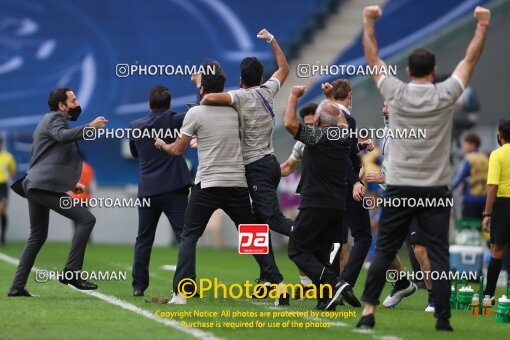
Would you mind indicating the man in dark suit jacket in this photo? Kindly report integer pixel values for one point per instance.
(164, 179)
(55, 168)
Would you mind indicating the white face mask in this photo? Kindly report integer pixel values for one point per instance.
(350, 105)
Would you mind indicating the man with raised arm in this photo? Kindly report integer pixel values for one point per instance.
(254, 104)
(220, 182)
(418, 169)
(323, 195)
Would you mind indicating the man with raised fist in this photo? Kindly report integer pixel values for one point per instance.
(418, 170)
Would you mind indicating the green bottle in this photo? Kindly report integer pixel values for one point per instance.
(503, 310)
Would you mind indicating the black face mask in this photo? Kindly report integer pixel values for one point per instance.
(74, 113)
(499, 141)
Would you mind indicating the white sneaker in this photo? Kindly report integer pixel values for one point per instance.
(431, 306)
(397, 295)
(430, 309)
(177, 300)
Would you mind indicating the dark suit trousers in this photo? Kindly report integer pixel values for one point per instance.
(357, 219)
(40, 203)
(173, 204)
(235, 202)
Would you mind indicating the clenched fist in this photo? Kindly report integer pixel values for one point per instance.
(265, 35)
(372, 12)
(482, 14)
(298, 91)
(327, 89)
(98, 123)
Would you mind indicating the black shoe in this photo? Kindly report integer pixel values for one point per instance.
(79, 284)
(321, 305)
(260, 292)
(76, 281)
(137, 292)
(342, 290)
(366, 322)
(19, 292)
(443, 325)
(283, 300)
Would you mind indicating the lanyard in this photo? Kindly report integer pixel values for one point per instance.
(266, 104)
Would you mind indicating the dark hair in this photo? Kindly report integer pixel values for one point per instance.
(504, 128)
(159, 98)
(251, 71)
(308, 109)
(57, 96)
(341, 89)
(215, 82)
(473, 139)
(421, 62)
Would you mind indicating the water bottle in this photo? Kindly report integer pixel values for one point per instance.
(475, 305)
(453, 298)
(487, 306)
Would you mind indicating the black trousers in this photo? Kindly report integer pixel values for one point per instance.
(39, 205)
(311, 240)
(235, 202)
(357, 219)
(263, 177)
(173, 204)
(393, 230)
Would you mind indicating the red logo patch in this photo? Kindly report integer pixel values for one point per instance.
(253, 239)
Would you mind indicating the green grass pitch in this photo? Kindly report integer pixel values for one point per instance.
(64, 313)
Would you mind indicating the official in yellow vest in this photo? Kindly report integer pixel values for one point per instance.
(473, 178)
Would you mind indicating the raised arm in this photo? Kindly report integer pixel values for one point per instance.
(466, 66)
(283, 67)
(290, 121)
(370, 14)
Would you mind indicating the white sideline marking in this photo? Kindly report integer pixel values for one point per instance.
(169, 267)
(195, 332)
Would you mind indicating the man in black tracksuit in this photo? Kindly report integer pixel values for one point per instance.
(356, 217)
(323, 190)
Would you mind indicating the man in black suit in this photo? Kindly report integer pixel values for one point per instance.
(55, 168)
(164, 179)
